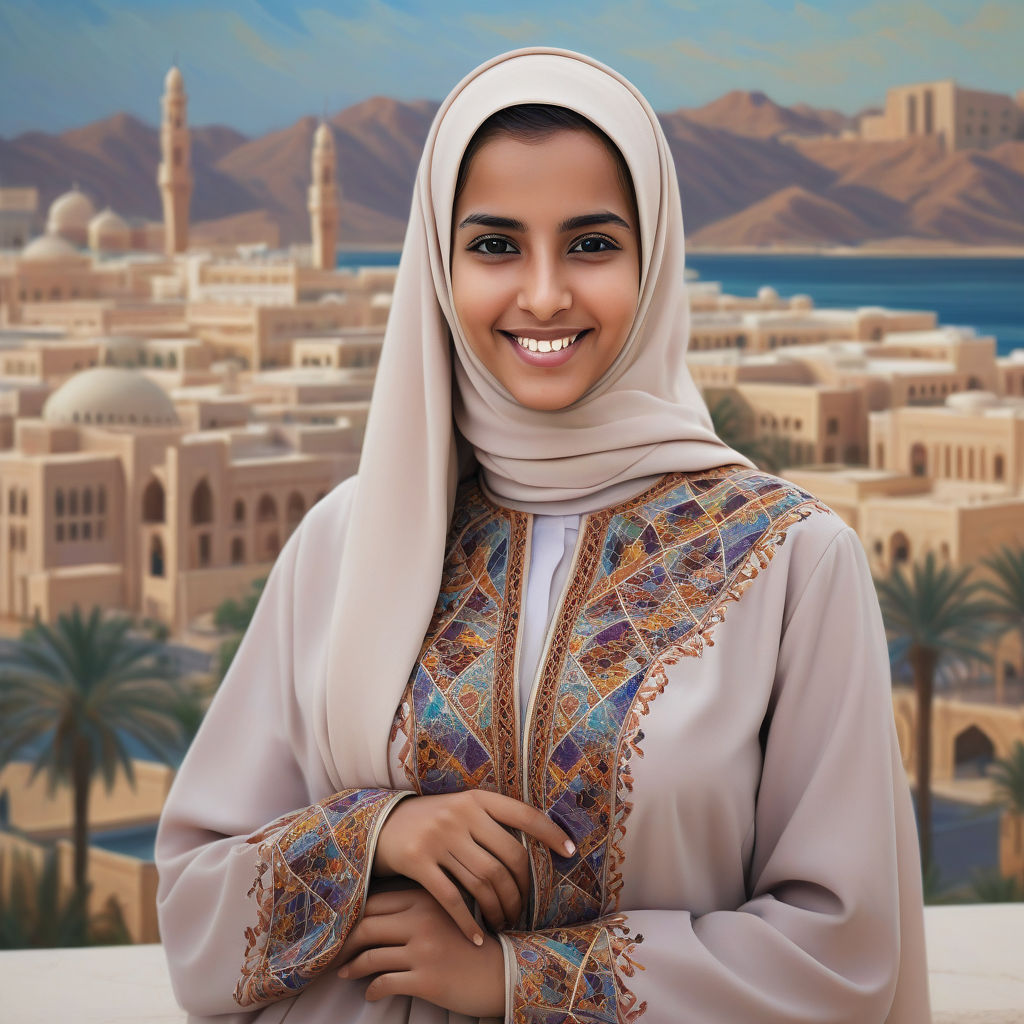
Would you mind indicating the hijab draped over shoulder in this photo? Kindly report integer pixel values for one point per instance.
(437, 413)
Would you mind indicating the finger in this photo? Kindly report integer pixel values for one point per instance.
(383, 930)
(447, 894)
(480, 888)
(390, 902)
(510, 811)
(508, 848)
(377, 960)
(490, 869)
(401, 983)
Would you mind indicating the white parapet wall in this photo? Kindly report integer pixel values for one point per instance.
(974, 952)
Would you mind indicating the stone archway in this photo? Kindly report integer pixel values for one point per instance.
(973, 751)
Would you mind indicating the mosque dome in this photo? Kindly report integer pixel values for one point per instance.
(973, 400)
(50, 249)
(767, 294)
(110, 395)
(108, 230)
(70, 215)
(173, 81)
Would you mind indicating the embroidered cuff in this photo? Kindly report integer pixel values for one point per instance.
(312, 875)
(575, 973)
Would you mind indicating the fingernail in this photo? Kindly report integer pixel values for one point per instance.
(570, 847)
(343, 972)
(478, 939)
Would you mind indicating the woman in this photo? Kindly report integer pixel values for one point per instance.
(561, 709)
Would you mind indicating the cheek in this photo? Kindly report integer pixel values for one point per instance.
(613, 296)
(477, 299)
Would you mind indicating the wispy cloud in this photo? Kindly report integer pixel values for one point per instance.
(259, 64)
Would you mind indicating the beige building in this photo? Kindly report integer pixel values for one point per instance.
(962, 118)
(18, 211)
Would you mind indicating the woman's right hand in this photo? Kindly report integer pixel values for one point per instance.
(460, 836)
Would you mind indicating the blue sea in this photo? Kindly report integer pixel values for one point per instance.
(986, 294)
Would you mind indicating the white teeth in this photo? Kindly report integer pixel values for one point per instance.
(546, 346)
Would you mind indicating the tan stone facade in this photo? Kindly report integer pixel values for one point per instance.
(963, 118)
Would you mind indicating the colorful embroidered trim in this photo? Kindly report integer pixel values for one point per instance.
(573, 974)
(310, 881)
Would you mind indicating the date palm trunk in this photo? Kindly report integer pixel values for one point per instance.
(81, 775)
(923, 661)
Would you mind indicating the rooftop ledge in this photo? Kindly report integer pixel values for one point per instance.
(974, 954)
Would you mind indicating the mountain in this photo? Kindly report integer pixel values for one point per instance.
(751, 172)
(754, 113)
(794, 214)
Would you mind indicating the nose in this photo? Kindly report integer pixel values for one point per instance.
(544, 291)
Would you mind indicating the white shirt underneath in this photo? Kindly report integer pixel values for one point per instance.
(551, 549)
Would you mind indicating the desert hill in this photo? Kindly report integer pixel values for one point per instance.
(751, 172)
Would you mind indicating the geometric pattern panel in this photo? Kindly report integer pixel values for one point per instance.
(311, 877)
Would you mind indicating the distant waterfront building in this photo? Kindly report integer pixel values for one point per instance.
(323, 200)
(963, 118)
(175, 175)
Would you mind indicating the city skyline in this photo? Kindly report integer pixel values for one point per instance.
(300, 59)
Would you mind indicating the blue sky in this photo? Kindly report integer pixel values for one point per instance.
(260, 64)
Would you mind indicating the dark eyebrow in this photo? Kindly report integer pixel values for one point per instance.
(490, 221)
(586, 220)
(589, 220)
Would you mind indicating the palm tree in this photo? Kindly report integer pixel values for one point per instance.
(728, 422)
(930, 615)
(1007, 589)
(235, 616)
(71, 694)
(1008, 775)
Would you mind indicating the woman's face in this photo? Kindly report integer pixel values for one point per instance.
(545, 249)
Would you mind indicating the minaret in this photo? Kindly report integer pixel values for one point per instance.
(175, 177)
(323, 200)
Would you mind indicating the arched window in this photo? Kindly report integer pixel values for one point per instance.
(202, 503)
(296, 508)
(899, 548)
(58, 502)
(237, 551)
(266, 511)
(101, 500)
(73, 503)
(87, 502)
(153, 503)
(239, 511)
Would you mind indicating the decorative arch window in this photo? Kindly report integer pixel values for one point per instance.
(58, 502)
(202, 503)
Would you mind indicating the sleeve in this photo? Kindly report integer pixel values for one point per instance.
(249, 911)
(832, 929)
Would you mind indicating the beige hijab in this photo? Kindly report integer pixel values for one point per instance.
(643, 418)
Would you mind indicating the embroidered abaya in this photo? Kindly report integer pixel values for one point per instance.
(697, 691)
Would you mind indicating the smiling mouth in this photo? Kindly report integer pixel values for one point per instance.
(543, 344)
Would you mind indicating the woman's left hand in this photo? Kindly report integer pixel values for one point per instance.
(414, 948)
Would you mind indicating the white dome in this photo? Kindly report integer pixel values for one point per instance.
(110, 395)
(50, 249)
(801, 302)
(108, 221)
(972, 400)
(767, 294)
(73, 210)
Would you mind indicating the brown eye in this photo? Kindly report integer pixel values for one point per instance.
(493, 246)
(594, 244)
